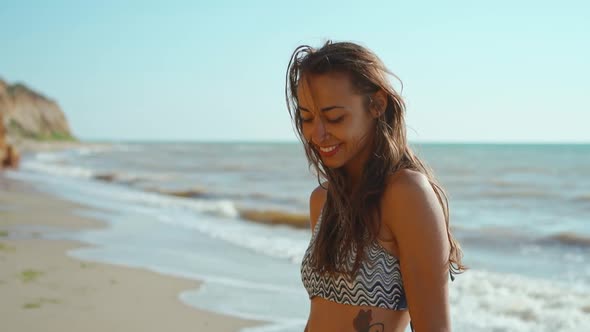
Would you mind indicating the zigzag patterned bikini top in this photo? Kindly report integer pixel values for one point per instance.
(378, 282)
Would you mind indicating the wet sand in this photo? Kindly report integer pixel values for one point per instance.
(44, 289)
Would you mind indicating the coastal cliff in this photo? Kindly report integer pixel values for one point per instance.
(25, 116)
(28, 114)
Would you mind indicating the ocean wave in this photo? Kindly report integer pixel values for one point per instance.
(186, 193)
(221, 208)
(199, 192)
(195, 198)
(527, 170)
(57, 169)
(49, 157)
(93, 148)
(262, 216)
(128, 147)
(61, 163)
(279, 242)
(106, 177)
(582, 198)
(505, 237)
(272, 197)
(121, 178)
(511, 302)
(235, 168)
(275, 217)
(516, 194)
(505, 183)
(568, 238)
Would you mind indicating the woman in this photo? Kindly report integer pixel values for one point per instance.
(381, 247)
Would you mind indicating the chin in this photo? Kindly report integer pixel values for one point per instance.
(333, 164)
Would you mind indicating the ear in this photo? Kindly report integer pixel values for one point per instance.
(378, 103)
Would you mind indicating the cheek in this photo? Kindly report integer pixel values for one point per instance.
(362, 131)
(305, 130)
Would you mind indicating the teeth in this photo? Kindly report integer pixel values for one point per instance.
(329, 149)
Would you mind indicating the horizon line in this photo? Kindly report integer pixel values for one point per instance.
(262, 141)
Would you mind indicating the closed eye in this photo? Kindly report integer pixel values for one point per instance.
(337, 120)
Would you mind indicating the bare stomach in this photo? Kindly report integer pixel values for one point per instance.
(328, 316)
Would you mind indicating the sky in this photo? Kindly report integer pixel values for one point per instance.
(472, 71)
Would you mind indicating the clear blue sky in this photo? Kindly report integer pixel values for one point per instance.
(189, 70)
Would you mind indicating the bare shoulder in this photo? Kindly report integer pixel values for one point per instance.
(316, 203)
(406, 179)
(406, 194)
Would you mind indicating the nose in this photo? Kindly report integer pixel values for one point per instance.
(319, 132)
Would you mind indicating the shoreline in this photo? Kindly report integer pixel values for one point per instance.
(267, 217)
(43, 287)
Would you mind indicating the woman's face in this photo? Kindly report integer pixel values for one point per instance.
(334, 118)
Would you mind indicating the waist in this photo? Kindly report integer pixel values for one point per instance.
(326, 315)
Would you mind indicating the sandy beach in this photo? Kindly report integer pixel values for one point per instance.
(44, 289)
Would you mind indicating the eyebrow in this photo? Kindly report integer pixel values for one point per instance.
(325, 109)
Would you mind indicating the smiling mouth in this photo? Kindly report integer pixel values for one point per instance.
(328, 151)
(328, 148)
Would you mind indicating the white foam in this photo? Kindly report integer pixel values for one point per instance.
(55, 169)
(489, 301)
(223, 208)
(93, 149)
(278, 241)
(128, 147)
(49, 156)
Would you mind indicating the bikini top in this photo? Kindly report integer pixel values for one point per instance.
(378, 282)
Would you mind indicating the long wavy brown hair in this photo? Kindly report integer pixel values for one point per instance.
(352, 216)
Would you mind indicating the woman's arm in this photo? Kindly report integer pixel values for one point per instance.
(316, 203)
(412, 211)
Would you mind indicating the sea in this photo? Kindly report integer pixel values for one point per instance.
(520, 211)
